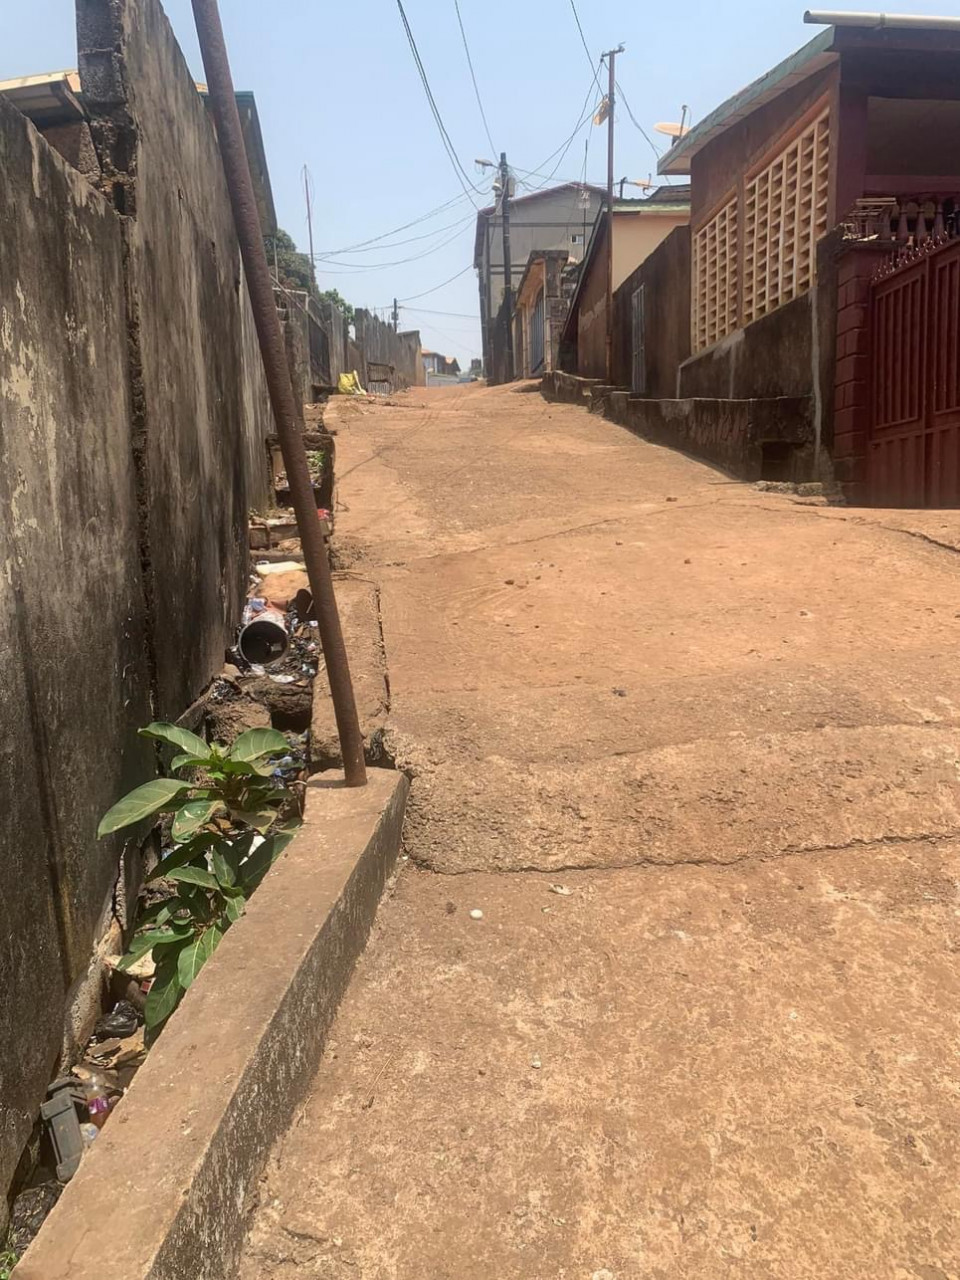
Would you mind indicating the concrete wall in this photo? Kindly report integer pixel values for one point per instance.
(731, 434)
(789, 352)
(73, 670)
(636, 236)
(665, 277)
(379, 343)
(159, 154)
(132, 423)
(591, 319)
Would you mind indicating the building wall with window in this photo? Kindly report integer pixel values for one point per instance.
(560, 218)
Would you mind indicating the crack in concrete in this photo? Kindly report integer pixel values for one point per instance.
(749, 858)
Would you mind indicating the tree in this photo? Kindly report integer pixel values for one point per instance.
(294, 269)
(333, 296)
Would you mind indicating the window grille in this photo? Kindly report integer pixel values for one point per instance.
(715, 278)
(785, 214)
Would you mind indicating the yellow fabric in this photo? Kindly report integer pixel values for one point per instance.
(348, 384)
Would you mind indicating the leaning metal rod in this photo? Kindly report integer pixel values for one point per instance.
(286, 411)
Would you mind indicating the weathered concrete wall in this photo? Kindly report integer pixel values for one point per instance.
(380, 344)
(72, 646)
(159, 155)
(665, 278)
(133, 411)
(729, 433)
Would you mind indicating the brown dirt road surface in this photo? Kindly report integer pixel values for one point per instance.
(692, 750)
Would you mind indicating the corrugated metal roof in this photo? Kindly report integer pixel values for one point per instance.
(799, 66)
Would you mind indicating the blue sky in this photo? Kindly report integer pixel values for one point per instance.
(338, 91)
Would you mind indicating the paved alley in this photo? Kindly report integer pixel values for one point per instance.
(692, 750)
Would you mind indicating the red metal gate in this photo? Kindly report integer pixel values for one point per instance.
(914, 449)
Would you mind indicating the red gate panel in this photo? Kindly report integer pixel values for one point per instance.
(914, 448)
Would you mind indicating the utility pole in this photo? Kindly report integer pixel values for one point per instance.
(611, 57)
(306, 188)
(286, 411)
(507, 266)
(396, 317)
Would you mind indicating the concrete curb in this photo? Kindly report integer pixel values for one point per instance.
(161, 1196)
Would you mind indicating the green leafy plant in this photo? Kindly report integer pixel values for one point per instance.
(8, 1260)
(227, 826)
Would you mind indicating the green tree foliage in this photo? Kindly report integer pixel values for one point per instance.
(295, 270)
(333, 296)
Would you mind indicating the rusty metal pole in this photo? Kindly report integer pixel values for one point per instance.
(286, 411)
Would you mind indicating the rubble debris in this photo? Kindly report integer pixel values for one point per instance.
(29, 1212)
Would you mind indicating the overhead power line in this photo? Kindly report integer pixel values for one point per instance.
(414, 296)
(395, 244)
(476, 87)
(653, 146)
(424, 217)
(358, 268)
(462, 176)
(586, 48)
(586, 112)
(457, 315)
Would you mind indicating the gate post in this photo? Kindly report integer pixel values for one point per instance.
(853, 386)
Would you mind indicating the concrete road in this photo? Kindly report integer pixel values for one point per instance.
(692, 750)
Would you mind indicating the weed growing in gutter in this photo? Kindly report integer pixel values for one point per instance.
(228, 827)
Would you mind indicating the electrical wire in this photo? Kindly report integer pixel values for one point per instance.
(476, 87)
(395, 244)
(586, 112)
(457, 315)
(357, 269)
(653, 146)
(462, 176)
(414, 296)
(586, 49)
(424, 217)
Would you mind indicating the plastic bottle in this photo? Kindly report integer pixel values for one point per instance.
(99, 1102)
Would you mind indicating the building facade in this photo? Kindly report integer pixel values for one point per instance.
(638, 228)
(803, 185)
(560, 218)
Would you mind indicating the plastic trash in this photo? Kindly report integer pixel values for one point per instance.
(59, 1112)
(120, 1023)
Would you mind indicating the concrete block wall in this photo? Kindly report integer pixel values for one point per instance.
(133, 416)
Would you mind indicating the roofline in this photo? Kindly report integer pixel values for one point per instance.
(489, 211)
(803, 63)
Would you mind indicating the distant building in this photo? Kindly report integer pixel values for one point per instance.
(559, 218)
(639, 227)
(438, 367)
(542, 302)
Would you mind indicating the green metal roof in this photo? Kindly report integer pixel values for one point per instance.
(813, 57)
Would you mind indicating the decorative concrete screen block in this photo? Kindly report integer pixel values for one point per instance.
(785, 214)
(715, 278)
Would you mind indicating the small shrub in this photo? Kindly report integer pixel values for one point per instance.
(227, 828)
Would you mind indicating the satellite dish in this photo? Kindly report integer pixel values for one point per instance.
(672, 130)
